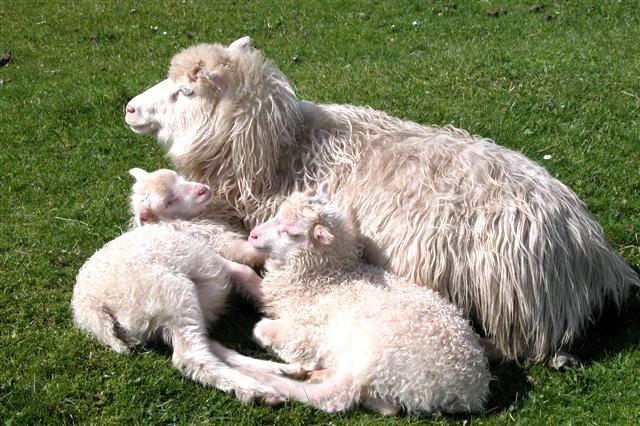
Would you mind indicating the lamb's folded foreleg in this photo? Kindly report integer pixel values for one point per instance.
(291, 341)
(337, 393)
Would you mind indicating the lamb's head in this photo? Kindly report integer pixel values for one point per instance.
(309, 226)
(165, 195)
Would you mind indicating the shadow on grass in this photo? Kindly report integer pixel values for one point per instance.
(510, 384)
(614, 331)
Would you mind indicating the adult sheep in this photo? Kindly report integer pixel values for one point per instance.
(488, 228)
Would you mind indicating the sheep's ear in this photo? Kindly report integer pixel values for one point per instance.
(138, 173)
(217, 81)
(322, 235)
(241, 43)
(323, 190)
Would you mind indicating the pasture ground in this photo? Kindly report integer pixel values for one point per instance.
(557, 81)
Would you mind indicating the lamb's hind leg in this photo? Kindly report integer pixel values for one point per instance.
(192, 356)
(191, 353)
(234, 359)
(373, 403)
(338, 393)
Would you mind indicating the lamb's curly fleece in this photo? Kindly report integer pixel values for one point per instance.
(165, 281)
(390, 343)
(488, 228)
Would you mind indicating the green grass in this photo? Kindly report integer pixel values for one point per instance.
(566, 87)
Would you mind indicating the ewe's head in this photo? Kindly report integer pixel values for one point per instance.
(164, 195)
(199, 77)
(308, 225)
(209, 91)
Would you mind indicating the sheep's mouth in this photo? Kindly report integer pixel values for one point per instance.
(142, 129)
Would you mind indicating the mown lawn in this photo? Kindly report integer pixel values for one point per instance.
(558, 81)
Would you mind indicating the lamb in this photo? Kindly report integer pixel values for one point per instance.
(383, 342)
(163, 195)
(486, 227)
(164, 281)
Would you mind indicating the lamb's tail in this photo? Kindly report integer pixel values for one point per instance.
(101, 322)
(336, 393)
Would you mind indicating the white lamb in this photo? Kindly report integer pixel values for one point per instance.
(488, 228)
(165, 281)
(385, 342)
(163, 195)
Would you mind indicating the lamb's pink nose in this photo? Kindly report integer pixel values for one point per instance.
(129, 109)
(202, 190)
(253, 235)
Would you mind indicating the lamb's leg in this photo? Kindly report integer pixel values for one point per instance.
(240, 251)
(191, 355)
(338, 393)
(245, 279)
(234, 359)
(292, 342)
(271, 333)
(379, 405)
(317, 376)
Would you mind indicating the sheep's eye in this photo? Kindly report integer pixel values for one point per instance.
(292, 234)
(186, 91)
(169, 201)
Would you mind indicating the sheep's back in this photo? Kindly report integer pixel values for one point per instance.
(143, 273)
(411, 345)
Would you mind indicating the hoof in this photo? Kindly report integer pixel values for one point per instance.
(563, 360)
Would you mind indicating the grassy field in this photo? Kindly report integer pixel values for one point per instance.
(557, 82)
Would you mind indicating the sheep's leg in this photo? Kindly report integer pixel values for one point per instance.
(191, 355)
(271, 333)
(317, 376)
(245, 279)
(292, 342)
(563, 359)
(234, 359)
(241, 251)
(379, 405)
(337, 393)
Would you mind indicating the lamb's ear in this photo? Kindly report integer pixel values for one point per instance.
(322, 235)
(138, 173)
(216, 81)
(241, 43)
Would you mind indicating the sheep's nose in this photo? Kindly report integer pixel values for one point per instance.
(129, 109)
(202, 190)
(253, 235)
